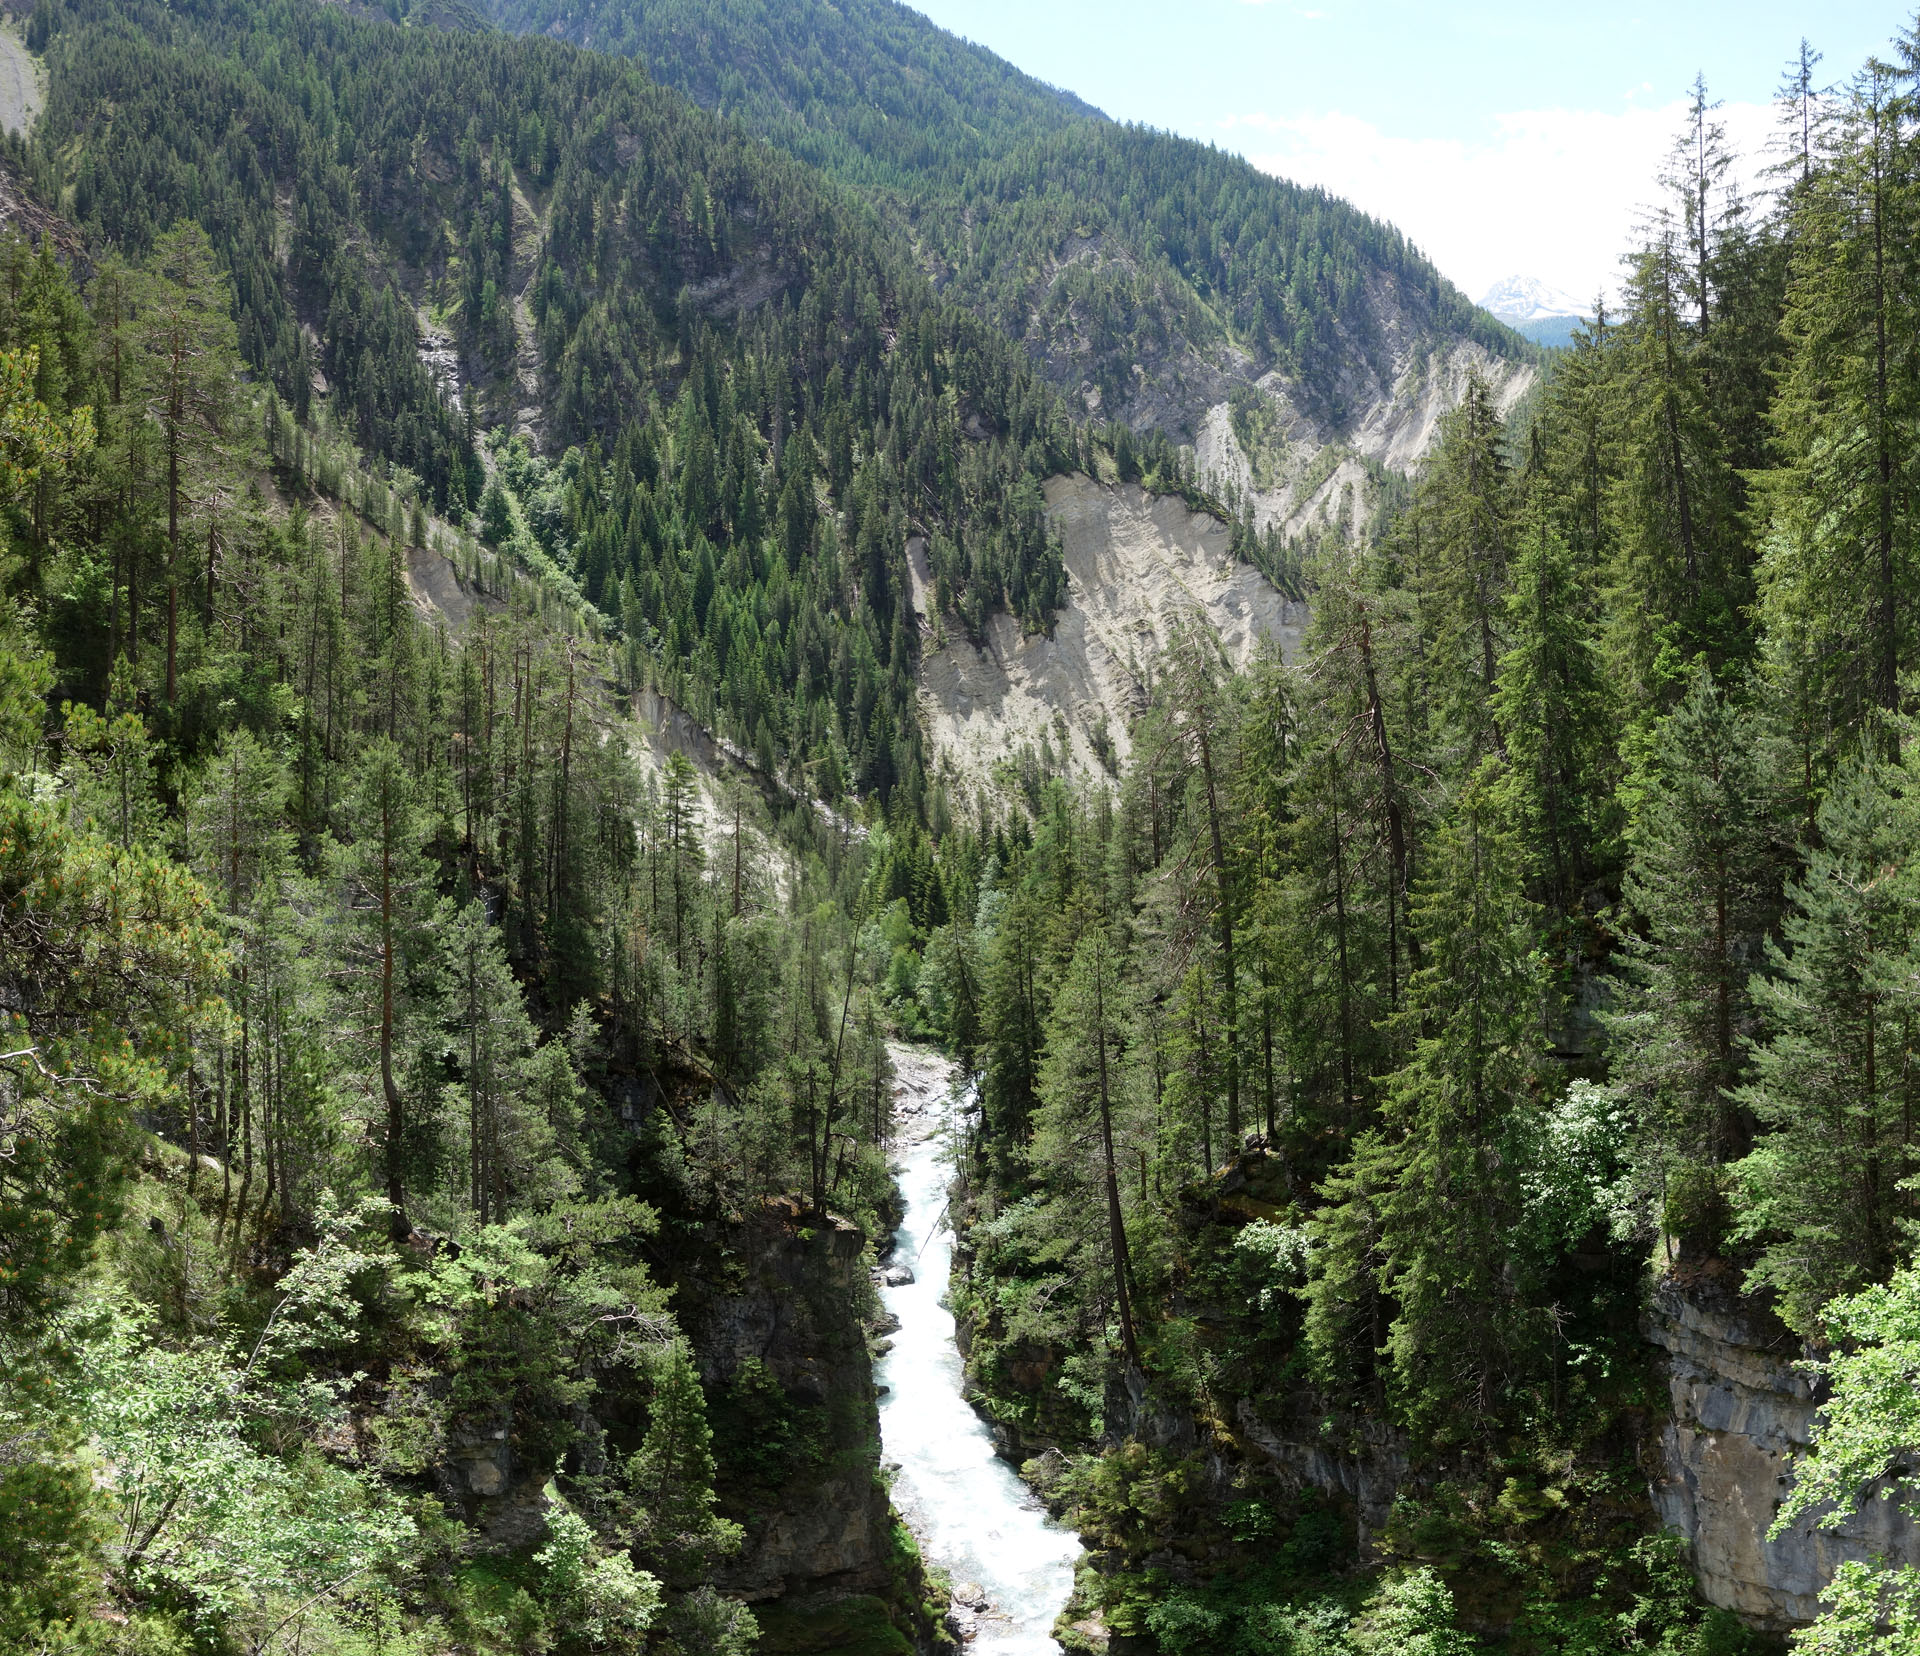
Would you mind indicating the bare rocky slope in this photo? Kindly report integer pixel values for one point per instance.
(1300, 469)
(1135, 563)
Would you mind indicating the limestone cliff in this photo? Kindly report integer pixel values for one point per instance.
(1740, 1412)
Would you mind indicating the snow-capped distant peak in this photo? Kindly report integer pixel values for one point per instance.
(1528, 299)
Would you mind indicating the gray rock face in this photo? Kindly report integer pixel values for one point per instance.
(1740, 1413)
(1367, 1468)
(502, 1496)
(792, 1306)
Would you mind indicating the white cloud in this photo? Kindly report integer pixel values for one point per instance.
(1552, 193)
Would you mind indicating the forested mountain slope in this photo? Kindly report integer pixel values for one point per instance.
(384, 1043)
(571, 251)
(441, 1136)
(1148, 275)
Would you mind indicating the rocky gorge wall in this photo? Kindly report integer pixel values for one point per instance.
(788, 1308)
(1740, 1411)
(774, 1299)
(1718, 1459)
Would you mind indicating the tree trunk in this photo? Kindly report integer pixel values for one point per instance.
(396, 1106)
(1116, 1226)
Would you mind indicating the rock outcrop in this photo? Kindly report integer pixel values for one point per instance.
(1741, 1411)
(1296, 462)
(791, 1304)
(1136, 563)
(499, 1490)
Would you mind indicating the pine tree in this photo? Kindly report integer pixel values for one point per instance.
(1555, 706)
(1016, 1009)
(1342, 912)
(1455, 549)
(1679, 567)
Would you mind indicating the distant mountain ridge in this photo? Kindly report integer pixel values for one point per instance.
(1147, 275)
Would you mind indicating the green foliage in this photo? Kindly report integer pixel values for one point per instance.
(1863, 1446)
(606, 1604)
(112, 963)
(375, 1009)
(1099, 245)
(671, 1475)
(1823, 1190)
(858, 1625)
(766, 1439)
(1699, 882)
(1457, 1129)
(1474, 915)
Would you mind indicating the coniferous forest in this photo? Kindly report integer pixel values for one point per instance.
(446, 1159)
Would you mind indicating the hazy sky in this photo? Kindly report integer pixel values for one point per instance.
(1510, 139)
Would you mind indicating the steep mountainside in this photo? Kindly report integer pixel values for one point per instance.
(759, 397)
(1148, 274)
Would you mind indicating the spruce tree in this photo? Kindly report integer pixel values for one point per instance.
(1081, 1092)
(1826, 1193)
(1438, 1194)
(1556, 708)
(1700, 893)
(675, 1528)
(1838, 582)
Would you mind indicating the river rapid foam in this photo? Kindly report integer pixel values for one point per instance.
(1012, 1566)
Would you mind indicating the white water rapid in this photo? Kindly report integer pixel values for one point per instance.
(973, 1516)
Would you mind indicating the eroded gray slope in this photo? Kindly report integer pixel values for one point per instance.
(1135, 563)
(1299, 470)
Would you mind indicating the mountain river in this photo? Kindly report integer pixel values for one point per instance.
(1012, 1566)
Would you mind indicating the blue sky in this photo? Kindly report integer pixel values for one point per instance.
(1512, 139)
